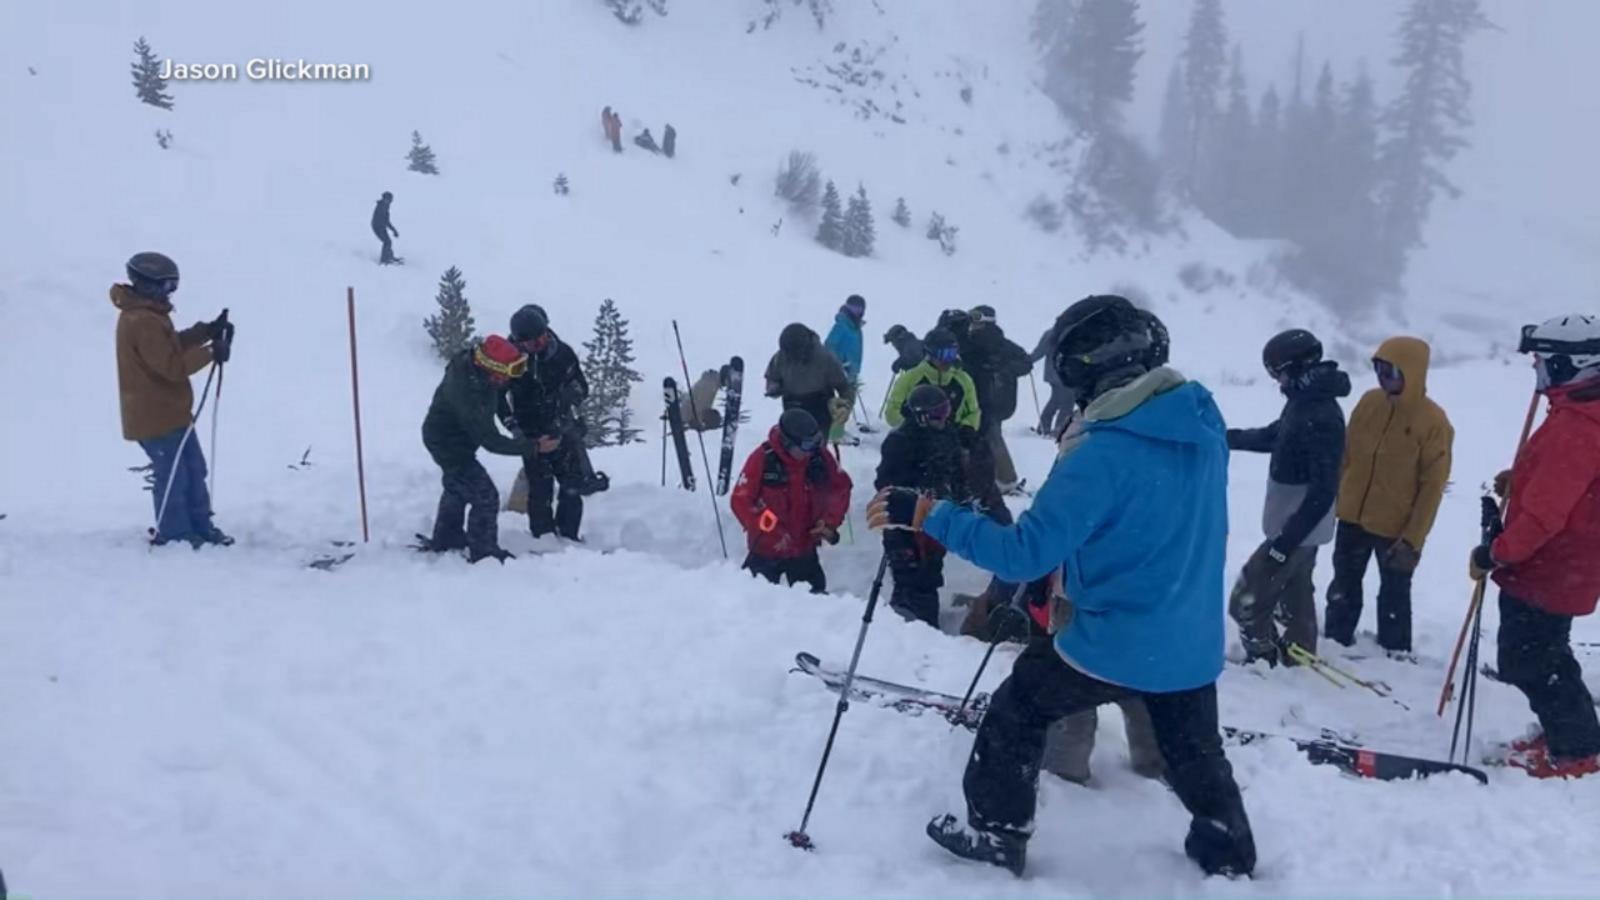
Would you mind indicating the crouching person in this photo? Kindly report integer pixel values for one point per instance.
(791, 497)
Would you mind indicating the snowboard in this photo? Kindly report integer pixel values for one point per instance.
(733, 395)
(680, 440)
(1326, 750)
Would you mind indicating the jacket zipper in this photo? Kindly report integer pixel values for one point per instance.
(1362, 512)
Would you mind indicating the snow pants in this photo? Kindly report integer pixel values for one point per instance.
(1005, 471)
(1535, 656)
(188, 512)
(917, 563)
(1353, 547)
(544, 472)
(1266, 592)
(1070, 742)
(469, 492)
(807, 569)
(386, 255)
(1002, 776)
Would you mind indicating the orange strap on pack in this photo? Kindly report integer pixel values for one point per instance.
(768, 521)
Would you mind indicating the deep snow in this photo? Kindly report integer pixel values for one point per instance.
(232, 723)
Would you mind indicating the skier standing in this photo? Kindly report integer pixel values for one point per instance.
(381, 226)
(844, 342)
(1545, 561)
(806, 376)
(544, 404)
(1307, 445)
(154, 362)
(791, 497)
(995, 365)
(461, 419)
(1134, 515)
(924, 455)
(1396, 465)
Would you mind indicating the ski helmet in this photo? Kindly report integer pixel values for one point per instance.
(958, 321)
(153, 274)
(1291, 353)
(941, 347)
(529, 323)
(982, 314)
(1567, 346)
(799, 430)
(797, 341)
(387, 196)
(928, 406)
(1160, 341)
(1098, 339)
(500, 358)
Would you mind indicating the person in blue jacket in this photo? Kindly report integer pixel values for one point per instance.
(1133, 520)
(844, 339)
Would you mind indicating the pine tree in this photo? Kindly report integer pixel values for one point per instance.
(1229, 174)
(830, 232)
(1176, 122)
(147, 80)
(1267, 194)
(421, 156)
(1317, 188)
(1205, 63)
(1091, 52)
(1425, 125)
(943, 232)
(562, 187)
(860, 235)
(902, 213)
(608, 367)
(451, 328)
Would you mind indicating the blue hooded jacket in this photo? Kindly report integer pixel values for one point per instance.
(1135, 511)
(844, 341)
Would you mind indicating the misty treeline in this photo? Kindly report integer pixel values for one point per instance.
(1347, 177)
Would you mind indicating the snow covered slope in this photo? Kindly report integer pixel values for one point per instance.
(231, 723)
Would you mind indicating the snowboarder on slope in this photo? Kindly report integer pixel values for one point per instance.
(924, 455)
(1545, 561)
(381, 226)
(1134, 514)
(791, 497)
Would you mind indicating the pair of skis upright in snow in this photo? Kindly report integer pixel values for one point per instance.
(733, 395)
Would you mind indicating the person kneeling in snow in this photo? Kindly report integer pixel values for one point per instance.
(1547, 560)
(791, 497)
(1134, 514)
(461, 419)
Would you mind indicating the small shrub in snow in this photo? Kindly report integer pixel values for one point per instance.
(630, 12)
(451, 328)
(943, 232)
(1201, 278)
(147, 80)
(860, 235)
(164, 138)
(608, 367)
(902, 213)
(421, 156)
(830, 232)
(800, 183)
(561, 186)
(820, 10)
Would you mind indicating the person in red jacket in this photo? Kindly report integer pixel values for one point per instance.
(791, 497)
(1546, 560)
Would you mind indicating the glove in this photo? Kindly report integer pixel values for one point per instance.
(1273, 557)
(1402, 557)
(839, 409)
(898, 508)
(220, 328)
(221, 351)
(1502, 484)
(825, 532)
(1481, 563)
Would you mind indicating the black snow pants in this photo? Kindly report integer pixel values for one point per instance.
(544, 472)
(1266, 594)
(386, 255)
(1353, 546)
(807, 569)
(468, 492)
(917, 564)
(1002, 777)
(1535, 656)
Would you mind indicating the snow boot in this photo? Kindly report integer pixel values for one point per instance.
(216, 536)
(1008, 851)
(1532, 755)
(498, 553)
(1220, 849)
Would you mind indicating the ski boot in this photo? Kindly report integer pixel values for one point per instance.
(1008, 851)
(497, 553)
(1220, 849)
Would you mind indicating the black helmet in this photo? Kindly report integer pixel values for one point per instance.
(1291, 352)
(1097, 338)
(387, 196)
(927, 405)
(529, 323)
(941, 346)
(799, 430)
(153, 274)
(1160, 341)
(895, 333)
(983, 313)
(797, 341)
(959, 321)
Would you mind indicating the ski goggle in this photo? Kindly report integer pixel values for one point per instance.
(944, 355)
(936, 416)
(806, 445)
(513, 369)
(1387, 372)
(1550, 346)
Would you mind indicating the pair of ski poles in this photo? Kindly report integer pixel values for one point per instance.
(188, 433)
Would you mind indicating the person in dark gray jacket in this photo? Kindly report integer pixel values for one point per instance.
(806, 376)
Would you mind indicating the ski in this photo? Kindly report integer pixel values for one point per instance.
(899, 697)
(733, 395)
(1360, 761)
(680, 441)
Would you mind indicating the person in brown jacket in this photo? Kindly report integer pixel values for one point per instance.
(1396, 464)
(154, 362)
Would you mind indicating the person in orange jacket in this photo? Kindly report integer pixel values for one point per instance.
(791, 497)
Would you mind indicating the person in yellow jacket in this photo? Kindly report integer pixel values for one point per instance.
(1396, 464)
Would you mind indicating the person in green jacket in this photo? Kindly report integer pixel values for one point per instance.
(461, 419)
(940, 367)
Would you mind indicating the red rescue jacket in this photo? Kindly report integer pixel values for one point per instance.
(779, 499)
(1550, 549)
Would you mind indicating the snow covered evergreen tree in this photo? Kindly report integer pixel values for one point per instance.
(1176, 122)
(147, 80)
(1091, 51)
(608, 367)
(1228, 171)
(562, 187)
(860, 235)
(451, 328)
(421, 156)
(830, 231)
(943, 232)
(902, 213)
(1205, 64)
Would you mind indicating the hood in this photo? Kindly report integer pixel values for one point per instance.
(844, 318)
(1160, 404)
(1410, 355)
(1582, 398)
(1323, 381)
(124, 298)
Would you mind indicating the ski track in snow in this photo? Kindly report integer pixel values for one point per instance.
(231, 723)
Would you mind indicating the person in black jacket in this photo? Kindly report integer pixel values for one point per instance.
(907, 348)
(1307, 447)
(923, 454)
(460, 420)
(381, 226)
(995, 364)
(544, 404)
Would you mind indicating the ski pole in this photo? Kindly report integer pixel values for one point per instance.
(1489, 521)
(355, 399)
(211, 454)
(861, 403)
(663, 451)
(799, 838)
(1468, 705)
(961, 711)
(1033, 386)
(177, 455)
(716, 511)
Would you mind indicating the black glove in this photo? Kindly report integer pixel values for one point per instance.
(221, 350)
(220, 328)
(1481, 563)
(1274, 556)
(898, 508)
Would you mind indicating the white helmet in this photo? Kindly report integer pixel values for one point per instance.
(1567, 345)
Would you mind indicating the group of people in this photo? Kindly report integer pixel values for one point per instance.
(1122, 551)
